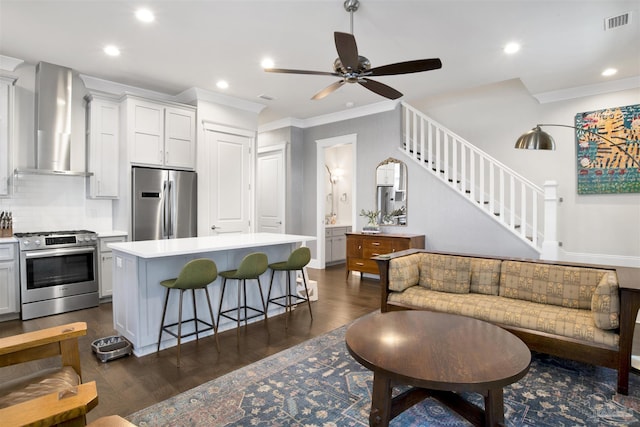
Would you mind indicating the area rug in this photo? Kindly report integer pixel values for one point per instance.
(318, 384)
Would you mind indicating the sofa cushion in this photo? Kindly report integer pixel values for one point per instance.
(566, 322)
(485, 276)
(605, 303)
(564, 286)
(404, 272)
(446, 273)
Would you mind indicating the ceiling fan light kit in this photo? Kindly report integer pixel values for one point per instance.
(354, 68)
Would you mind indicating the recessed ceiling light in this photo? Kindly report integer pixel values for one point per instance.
(222, 84)
(111, 50)
(609, 72)
(349, 104)
(145, 15)
(511, 48)
(267, 63)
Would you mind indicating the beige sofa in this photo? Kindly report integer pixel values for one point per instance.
(577, 311)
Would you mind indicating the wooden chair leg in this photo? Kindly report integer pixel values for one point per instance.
(195, 313)
(164, 312)
(213, 320)
(179, 326)
(306, 290)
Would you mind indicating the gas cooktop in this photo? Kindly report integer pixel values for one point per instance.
(56, 239)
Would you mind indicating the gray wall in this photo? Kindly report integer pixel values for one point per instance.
(448, 220)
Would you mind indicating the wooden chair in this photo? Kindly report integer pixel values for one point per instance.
(66, 406)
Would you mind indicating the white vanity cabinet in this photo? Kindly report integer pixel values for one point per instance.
(102, 146)
(335, 246)
(106, 263)
(6, 115)
(160, 134)
(9, 281)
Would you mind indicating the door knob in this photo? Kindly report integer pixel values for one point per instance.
(213, 227)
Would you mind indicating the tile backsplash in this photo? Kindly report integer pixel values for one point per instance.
(46, 202)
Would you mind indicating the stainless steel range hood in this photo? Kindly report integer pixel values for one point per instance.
(53, 121)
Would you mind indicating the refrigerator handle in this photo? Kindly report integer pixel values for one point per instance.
(165, 210)
(171, 205)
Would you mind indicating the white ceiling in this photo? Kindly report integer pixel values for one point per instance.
(196, 43)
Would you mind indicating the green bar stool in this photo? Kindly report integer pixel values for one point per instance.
(298, 259)
(196, 274)
(251, 267)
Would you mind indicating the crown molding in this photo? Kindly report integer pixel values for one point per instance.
(352, 113)
(8, 63)
(120, 89)
(588, 90)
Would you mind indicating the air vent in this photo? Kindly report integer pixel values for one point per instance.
(617, 21)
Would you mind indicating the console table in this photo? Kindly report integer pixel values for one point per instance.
(361, 247)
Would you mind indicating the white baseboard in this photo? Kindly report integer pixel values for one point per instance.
(603, 259)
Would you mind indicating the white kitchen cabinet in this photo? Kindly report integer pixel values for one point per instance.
(102, 147)
(335, 247)
(9, 281)
(161, 134)
(106, 264)
(6, 117)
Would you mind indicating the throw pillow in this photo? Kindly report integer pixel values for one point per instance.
(605, 303)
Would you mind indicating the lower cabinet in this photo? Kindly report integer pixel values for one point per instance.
(361, 247)
(106, 265)
(9, 281)
(335, 244)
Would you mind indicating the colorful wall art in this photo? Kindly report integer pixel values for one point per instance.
(608, 160)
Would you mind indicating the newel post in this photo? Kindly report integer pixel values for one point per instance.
(550, 245)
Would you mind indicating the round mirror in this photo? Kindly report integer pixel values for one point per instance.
(391, 192)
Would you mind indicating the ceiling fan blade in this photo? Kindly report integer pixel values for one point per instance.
(327, 90)
(347, 50)
(406, 67)
(316, 73)
(380, 88)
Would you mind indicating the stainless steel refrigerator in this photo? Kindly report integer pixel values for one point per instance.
(164, 204)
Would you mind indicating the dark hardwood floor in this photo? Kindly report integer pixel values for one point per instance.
(129, 384)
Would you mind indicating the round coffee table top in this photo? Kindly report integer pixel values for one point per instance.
(438, 351)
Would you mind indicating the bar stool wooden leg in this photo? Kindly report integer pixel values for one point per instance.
(164, 312)
(213, 320)
(306, 290)
(179, 325)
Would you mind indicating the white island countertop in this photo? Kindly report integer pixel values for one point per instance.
(194, 245)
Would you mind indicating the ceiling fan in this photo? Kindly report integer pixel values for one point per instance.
(353, 68)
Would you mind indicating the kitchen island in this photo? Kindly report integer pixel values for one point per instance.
(139, 267)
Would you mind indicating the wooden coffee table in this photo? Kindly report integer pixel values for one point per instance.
(438, 354)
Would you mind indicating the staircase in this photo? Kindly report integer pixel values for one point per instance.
(499, 192)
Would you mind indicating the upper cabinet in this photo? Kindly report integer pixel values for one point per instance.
(102, 146)
(6, 114)
(161, 134)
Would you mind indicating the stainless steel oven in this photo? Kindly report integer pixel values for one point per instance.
(58, 272)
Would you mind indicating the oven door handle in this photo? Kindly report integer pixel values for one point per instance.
(58, 252)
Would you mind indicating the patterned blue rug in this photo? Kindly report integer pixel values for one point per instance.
(317, 383)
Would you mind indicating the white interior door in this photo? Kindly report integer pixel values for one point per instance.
(270, 191)
(229, 182)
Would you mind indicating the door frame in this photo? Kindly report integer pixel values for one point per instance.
(321, 145)
(281, 148)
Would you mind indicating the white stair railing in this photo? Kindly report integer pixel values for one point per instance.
(500, 192)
